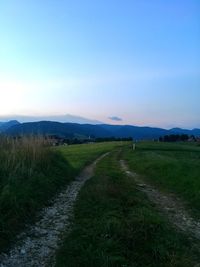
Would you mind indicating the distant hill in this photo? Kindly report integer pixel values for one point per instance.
(195, 132)
(72, 130)
(6, 125)
(68, 130)
(135, 131)
(58, 118)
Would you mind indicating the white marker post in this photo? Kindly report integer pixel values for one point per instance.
(134, 146)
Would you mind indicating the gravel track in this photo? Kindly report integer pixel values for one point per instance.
(37, 245)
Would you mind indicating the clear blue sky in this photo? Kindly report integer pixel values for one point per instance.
(135, 59)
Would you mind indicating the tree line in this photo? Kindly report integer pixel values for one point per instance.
(176, 138)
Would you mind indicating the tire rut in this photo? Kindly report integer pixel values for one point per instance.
(37, 245)
(168, 204)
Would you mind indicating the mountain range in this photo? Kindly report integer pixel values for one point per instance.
(59, 118)
(4, 126)
(75, 130)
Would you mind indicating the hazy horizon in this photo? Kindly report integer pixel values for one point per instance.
(64, 118)
(135, 62)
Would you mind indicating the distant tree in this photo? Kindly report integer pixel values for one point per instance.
(184, 137)
(174, 138)
(110, 139)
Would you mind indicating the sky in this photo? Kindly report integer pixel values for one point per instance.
(121, 62)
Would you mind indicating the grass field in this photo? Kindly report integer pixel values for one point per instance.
(80, 155)
(115, 225)
(31, 173)
(172, 167)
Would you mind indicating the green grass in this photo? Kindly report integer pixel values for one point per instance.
(172, 167)
(31, 173)
(79, 155)
(116, 226)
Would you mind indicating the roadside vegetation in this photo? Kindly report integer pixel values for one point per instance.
(115, 225)
(171, 167)
(31, 173)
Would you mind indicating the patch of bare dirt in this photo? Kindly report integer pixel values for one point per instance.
(168, 204)
(37, 245)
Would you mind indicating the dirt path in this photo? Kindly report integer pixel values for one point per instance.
(168, 204)
(37, 245)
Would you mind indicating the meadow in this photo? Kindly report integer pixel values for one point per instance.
(172, 167)
(80, 155)
(116, 225)
(31, 173)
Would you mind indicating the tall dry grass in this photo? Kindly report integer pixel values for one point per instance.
(21, 155)
(31, 173)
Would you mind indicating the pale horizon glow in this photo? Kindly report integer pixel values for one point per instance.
(136, 60)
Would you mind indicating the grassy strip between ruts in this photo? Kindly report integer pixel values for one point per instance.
(31, 174)
(116, 226)
(171, 167)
